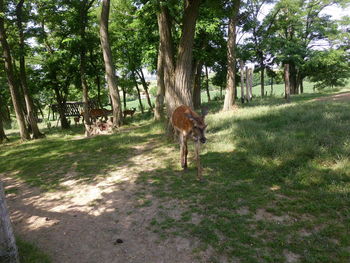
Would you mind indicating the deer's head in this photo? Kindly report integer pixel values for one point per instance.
(199, 126)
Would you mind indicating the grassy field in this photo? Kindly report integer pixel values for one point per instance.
(277, 178)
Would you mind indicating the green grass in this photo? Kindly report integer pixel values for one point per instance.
(28, 253)
(277, 178)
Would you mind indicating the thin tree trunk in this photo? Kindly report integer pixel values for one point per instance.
(197, 86)
(230, 96)
(83, 22)
(6, 232)
(286, 83)
(138, 92)
(241, 65)
(110, 70)
(271, 87)
(247, 84)
(159, 104)
(145, 87)
(301, 85)
(3, 136)
(61, 109)
(97, 80)
(251, 83)
(11, 78)
(262, 78)
(124, 97)
(207, 82)
(31, 115)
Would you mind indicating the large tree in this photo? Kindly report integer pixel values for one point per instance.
(31, 114)
(109, 66)
(231, 58)
(14, 89)
(178, 75)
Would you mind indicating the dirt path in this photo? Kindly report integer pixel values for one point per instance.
(87, 223)
(345, 96)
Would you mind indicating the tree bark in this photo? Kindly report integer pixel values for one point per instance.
(293, 81)
(109, 66)
(61, 102)
(159, 104)
(207, 82)
(183, 71)
(6, 232)
(262, 77)
(11, 78)
(251, 83)
(301, 85)
(286, 82)
(197, 86)
(230, 96)
(138, 92)
(3, 136)
(84, 8)
(166, 46)
(241, 65)
(178, 79)
(145, 87)
(31, 114)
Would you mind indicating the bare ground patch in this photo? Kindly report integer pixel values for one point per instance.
(100, 222)
(345, 96)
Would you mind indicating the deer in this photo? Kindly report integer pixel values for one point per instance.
(129, 112)
(189, 124)
(96, 113)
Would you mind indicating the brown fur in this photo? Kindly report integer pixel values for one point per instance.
(129, 112)
(96, 113)
(189, 124)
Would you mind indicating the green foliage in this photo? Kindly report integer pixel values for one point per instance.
(329, 68)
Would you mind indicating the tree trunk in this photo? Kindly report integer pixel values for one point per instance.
(97, 80)
(145, 87)
(230, 96)
(124, 97)
(158, 111)
(271, 87)
(262, 78)
(286, 82)
(207, 83)
(83, 21)
(301, 85)
(7, 238)
(138, 93)
(241, 65)
(183, 71)
(197, 86)
(31, 114)
(3, 136)
(166, 45)
(251, 83)
(61, 102)
(247, 80)
(110, 70)
(293, 81)
(11, 78)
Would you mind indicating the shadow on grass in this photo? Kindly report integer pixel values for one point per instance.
(49, 162)
(285, 187)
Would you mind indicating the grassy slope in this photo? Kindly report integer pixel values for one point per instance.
(277, 178)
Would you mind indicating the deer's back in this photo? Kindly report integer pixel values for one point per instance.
(180, 119)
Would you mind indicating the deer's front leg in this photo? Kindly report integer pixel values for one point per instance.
(198, 160)
(183, 150)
